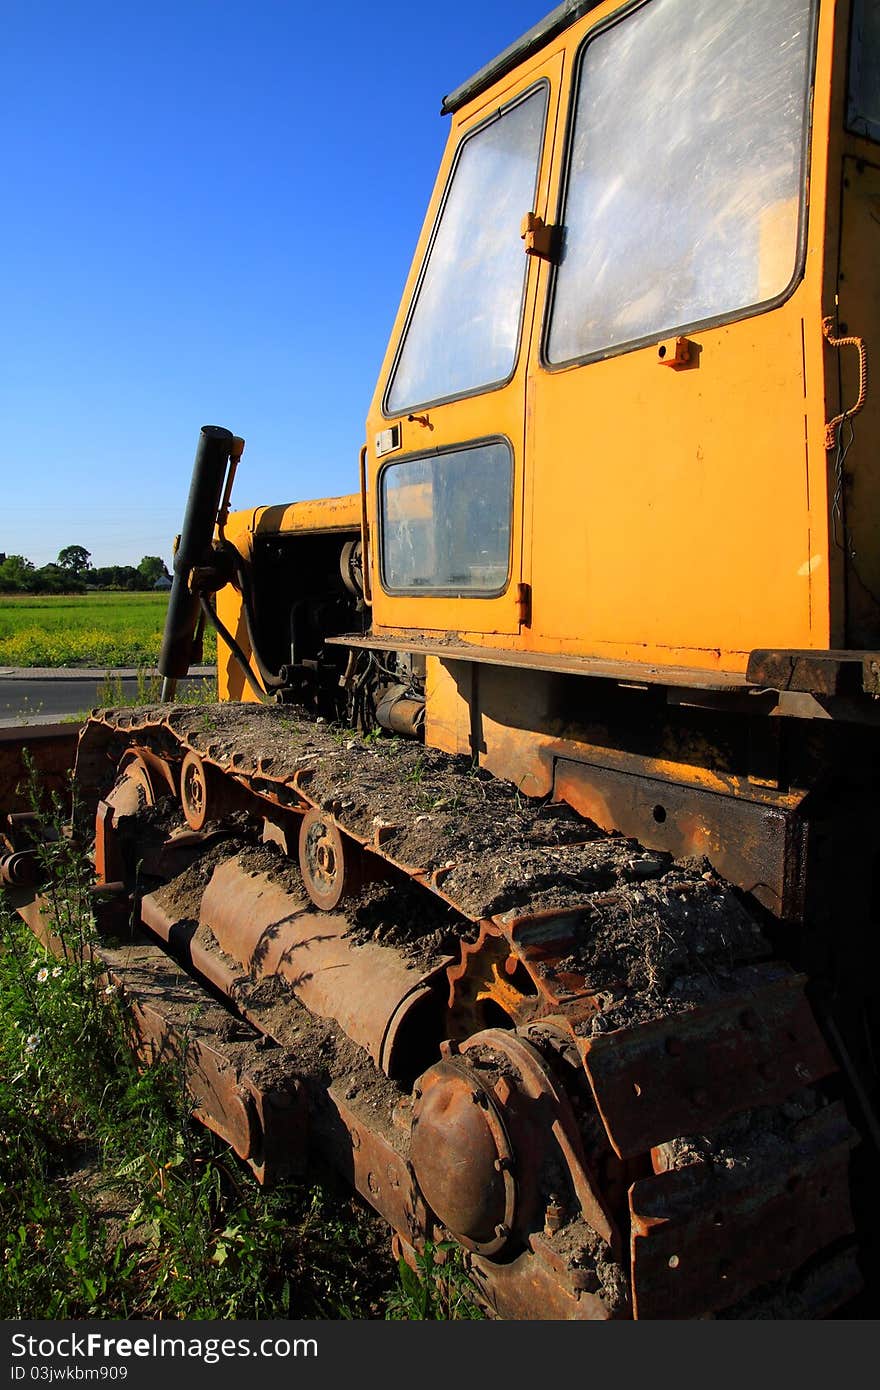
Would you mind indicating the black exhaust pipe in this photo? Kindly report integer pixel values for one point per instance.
(193, 549)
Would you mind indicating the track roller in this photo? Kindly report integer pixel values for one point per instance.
(330, 866)
(194, 791)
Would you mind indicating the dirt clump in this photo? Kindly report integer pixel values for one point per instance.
(415, 921)
(651, 948)
(181, 896)
(586, 1251)
(321, 1052)
(752, 1139)
(432, 808)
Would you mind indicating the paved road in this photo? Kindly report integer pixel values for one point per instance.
(42, 696)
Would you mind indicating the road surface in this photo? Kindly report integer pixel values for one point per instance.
(42, 695)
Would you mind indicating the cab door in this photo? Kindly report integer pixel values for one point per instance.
(445, 452)
(672, 515)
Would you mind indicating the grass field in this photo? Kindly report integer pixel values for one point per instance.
(104, 630)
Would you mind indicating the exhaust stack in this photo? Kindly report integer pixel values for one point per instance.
(217, 449)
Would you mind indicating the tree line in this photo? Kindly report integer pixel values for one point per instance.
(73, 573)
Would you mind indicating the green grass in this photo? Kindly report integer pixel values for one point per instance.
(99, 629)
(117, 1204)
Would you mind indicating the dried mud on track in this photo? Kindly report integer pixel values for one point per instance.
(649, 936)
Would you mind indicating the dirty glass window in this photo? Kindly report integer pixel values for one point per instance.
(863, 108)
(445, 522)
(686, 170)
(463, 330)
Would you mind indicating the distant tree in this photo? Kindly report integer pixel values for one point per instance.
(52, 579)
(75, 559)
(115, 577)
(152, 568)
(16, 574)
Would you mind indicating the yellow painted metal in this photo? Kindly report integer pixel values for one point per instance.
(680, 520)
(682, 516)
(667, 517)
(324, 515)
(497, 412)
(321, 517)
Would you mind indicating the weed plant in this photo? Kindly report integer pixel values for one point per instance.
(438, 1288)
(112, 693)
(116, 1204)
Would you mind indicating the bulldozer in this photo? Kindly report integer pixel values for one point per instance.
(527, 867)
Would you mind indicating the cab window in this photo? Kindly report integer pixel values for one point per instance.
(445, 521)
(463, 328)
(686, 171)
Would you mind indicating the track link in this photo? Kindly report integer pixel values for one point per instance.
(694, 1155)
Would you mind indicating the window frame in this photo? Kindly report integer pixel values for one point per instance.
(495, 115)
(690, 325)
(438, 453)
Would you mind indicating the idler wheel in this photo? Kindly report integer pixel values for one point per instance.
(328, 865)
(135, 769)
(462, 1156)
(194, 791)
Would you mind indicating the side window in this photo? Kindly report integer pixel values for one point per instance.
(445, 521)
(863, 107)
(686, 170)
(463, 328)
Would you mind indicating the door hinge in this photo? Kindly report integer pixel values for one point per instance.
(524, 604)
(540, 240)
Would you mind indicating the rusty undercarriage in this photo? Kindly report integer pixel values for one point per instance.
(576, 1057)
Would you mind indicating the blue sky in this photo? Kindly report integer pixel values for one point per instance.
(209, 213)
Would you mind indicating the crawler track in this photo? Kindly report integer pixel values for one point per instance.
(635, 1099)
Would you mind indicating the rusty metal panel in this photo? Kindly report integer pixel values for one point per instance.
(818, 672)
(51, 749)
(753, 843)
(255, 1102)
(212, 1083)
(688, 1072)
(370, 1162)
(265, 1121)
(532, 1287)
(702, 1236)
(282, 1112)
